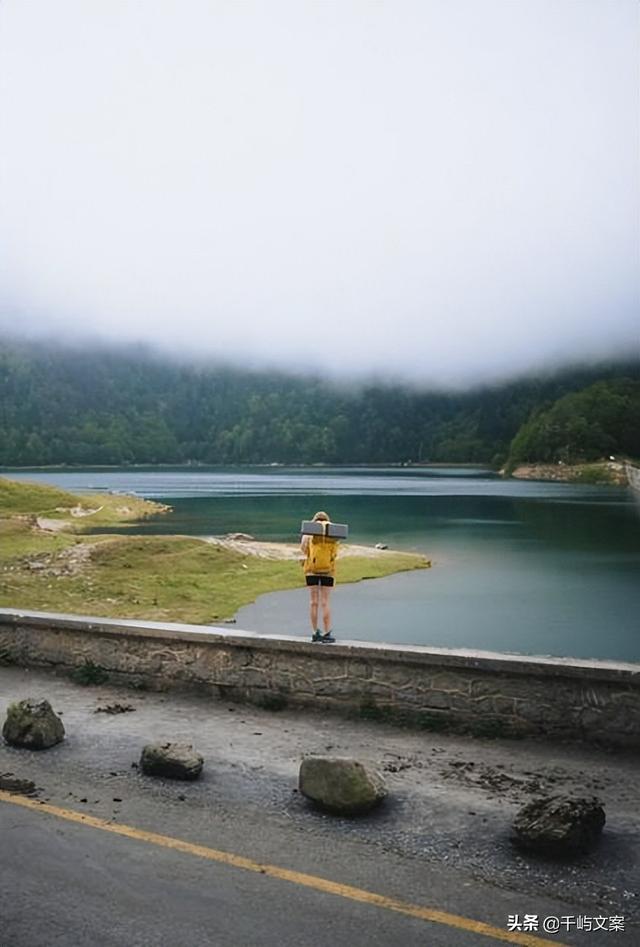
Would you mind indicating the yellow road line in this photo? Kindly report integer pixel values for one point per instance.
(285, 874)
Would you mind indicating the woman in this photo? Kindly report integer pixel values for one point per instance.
(319, 566)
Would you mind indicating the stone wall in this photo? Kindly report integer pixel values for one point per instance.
(484, 693)
(633, 476)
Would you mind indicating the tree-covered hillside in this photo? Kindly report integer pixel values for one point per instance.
(110, 406)
(600, 420)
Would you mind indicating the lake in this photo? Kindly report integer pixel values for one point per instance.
(519, 566)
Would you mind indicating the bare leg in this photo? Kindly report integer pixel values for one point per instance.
(313, 605)
(325, 595)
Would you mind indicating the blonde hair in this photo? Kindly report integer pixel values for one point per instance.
(321, 515)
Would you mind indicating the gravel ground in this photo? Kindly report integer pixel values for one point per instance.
(451, 799)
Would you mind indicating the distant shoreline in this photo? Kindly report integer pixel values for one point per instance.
(399, 465)
(604, 473)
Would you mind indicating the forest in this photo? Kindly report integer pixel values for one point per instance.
(82, 406)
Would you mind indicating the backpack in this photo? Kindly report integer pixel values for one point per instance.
(321, 555)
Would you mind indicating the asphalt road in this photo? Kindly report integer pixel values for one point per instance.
(240, 859)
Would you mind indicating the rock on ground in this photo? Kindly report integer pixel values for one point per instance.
(341, 786)
(11, 783)
(32, 724)
(560, 825)
(171, 760)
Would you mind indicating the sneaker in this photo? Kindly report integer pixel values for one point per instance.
(327, 637)
(317, 636)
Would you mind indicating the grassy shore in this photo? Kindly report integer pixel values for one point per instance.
(49, 561)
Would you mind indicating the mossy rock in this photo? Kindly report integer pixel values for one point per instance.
(341, 786)
(33, 725)
(559, 825)
(171, 761)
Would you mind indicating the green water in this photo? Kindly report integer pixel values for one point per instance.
(533, 568)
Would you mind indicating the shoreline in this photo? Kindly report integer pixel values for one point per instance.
(51, 561)
(395, 465)
(598, 473)
(263, 549)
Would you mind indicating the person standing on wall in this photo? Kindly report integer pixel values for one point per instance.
(319, 566)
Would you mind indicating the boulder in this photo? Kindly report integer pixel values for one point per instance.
(559, 825)
(342, 786)
(32, 724)
(171, 760)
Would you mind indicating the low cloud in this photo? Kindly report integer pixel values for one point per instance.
(436, 192)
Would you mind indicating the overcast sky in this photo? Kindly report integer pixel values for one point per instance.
(443, 190)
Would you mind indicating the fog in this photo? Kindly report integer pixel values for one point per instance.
(445, 191)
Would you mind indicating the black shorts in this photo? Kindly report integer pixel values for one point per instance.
(320, 580)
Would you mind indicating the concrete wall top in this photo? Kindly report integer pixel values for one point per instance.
(493, 661)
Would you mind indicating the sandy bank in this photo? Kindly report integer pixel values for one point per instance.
(265, 550)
